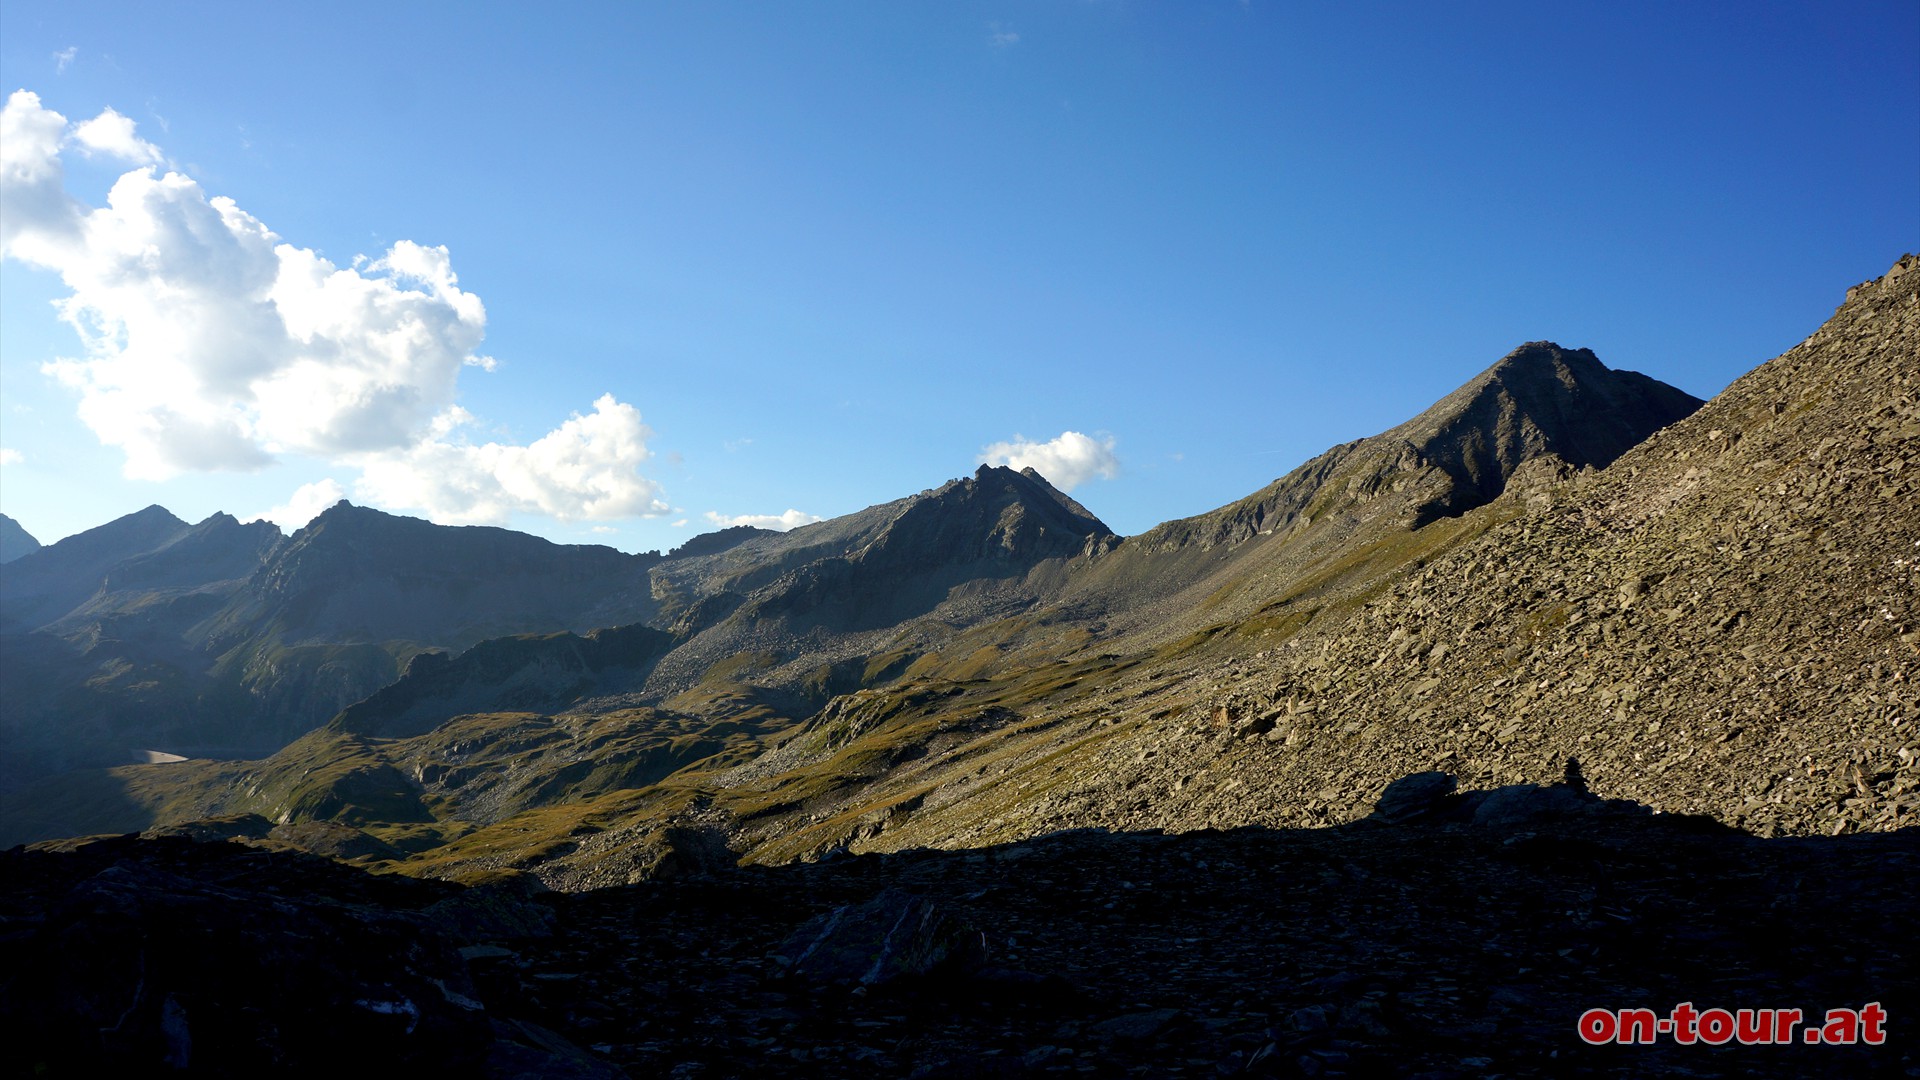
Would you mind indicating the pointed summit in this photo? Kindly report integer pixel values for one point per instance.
(1538, 401)
(15, 541)
(53, 580)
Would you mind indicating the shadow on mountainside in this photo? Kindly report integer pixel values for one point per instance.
(1450, 935)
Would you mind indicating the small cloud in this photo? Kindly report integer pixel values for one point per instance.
(10, 456)
(605, 529)
(682, 523)
(792, 519)
(1000, 37)
(1067, 461)
(62, 58)
(484, 363)
(1177, 456)
(113, 135)
(736, 445)
(305, 504)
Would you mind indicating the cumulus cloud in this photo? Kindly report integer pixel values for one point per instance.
(792, 519)
(212, 344)
(585, 468)
(305, 504)
(62, 58)
(1067, 461)
(113, 135)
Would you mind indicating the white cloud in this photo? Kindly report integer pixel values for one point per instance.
(305, 504)
(792, 519)
(1066, 461)
(585, 468)
(10, 456)
(1000, 37)
(62, 58)
(210, 344)
(36, 216)
(113, 135)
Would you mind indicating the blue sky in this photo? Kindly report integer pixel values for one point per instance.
(706, 262)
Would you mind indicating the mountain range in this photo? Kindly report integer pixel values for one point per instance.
(1571, 693)
(1710, 606)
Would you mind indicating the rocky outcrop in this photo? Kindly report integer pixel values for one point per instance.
(526, 674)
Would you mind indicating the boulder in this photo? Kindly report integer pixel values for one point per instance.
(893, 936)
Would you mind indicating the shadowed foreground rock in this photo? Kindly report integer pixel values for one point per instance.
(1463, 943)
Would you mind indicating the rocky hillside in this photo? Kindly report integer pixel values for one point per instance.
(1725, 621)
(1341, 523)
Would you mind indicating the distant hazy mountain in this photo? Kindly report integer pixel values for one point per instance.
(149, 633)
(14, 540)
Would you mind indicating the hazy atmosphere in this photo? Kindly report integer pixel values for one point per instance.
(625, 273)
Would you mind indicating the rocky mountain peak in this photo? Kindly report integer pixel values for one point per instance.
(15, 540)
(1539, 399)
(47, 583)
(997, 514)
